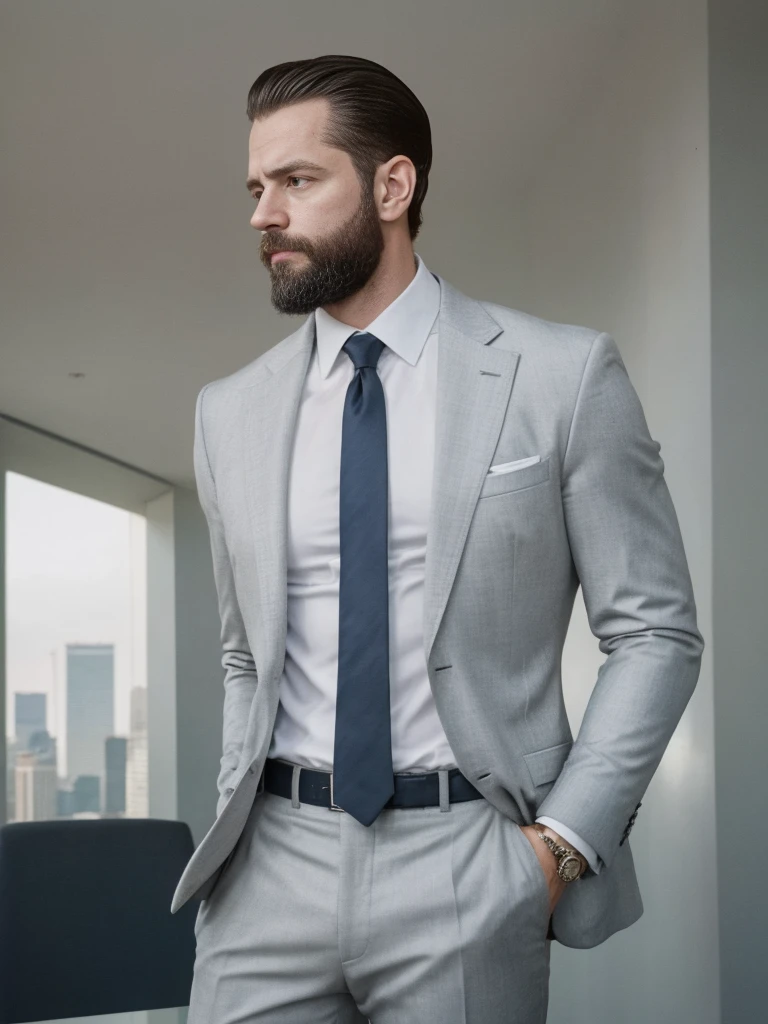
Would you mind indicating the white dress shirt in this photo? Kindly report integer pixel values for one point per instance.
(305, 723)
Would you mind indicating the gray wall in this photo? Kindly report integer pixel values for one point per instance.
(617, 238)
(199, 673)
(738, 88)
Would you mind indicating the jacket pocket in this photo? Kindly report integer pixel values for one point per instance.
(546, 764)
(517, 464)
(516, 480)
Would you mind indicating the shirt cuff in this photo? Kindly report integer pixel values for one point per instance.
(575, 840)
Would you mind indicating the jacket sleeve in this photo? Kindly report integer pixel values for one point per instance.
(240, 677)
(628, 552)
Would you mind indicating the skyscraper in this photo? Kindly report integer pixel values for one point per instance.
(35, 788)
(90, 709)
(29, 716)
(137, 794)
(116, 752)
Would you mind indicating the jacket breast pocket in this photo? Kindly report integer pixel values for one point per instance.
(517, 480)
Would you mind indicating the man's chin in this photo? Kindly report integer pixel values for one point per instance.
(288, 304)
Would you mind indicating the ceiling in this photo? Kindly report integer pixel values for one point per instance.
(128, 257)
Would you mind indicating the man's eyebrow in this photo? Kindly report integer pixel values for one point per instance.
(280, 172)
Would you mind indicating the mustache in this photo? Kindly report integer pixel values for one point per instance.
(270, 250)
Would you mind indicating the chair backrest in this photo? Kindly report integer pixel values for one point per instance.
(85, 920)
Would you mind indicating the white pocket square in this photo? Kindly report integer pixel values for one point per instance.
(510, 467)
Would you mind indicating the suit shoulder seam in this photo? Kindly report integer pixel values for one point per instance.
(593, 345)
(204, 444)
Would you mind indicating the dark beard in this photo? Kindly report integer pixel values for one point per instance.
(336, 267)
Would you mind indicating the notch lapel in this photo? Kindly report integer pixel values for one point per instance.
(271, 409)
(474, 382)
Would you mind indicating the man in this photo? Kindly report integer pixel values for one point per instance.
(403, 497)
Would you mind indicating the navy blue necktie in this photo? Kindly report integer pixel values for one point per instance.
(363, 779)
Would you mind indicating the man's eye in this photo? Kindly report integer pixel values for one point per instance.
(257, 195)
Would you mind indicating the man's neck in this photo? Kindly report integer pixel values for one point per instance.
(391, 278)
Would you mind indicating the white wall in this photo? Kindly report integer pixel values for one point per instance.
(618, 239)
(162, 678)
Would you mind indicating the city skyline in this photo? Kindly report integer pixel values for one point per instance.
(75, 574)
(76, 652)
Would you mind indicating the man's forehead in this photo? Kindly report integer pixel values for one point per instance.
(276, 141)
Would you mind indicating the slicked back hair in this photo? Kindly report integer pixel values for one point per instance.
(373, 114)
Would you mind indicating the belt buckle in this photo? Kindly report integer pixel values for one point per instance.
(334, 807)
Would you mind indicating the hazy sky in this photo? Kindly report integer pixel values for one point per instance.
(75, 573)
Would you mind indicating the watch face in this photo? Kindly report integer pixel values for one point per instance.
(569, 869)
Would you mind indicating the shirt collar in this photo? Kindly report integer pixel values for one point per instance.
(403, 326)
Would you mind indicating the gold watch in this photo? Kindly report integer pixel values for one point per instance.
(570, 865)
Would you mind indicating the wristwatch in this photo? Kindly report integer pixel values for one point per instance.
(570, 865)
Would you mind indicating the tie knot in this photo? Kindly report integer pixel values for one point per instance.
(363, 349)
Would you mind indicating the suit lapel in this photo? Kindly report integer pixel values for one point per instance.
(271, 409)
(474, 382)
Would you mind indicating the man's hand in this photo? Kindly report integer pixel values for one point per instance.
(548, 862)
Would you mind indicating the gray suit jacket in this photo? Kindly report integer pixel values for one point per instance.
(505, 556)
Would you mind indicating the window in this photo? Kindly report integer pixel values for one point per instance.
(76, 655)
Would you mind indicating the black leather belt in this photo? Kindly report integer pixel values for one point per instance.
(415, 790)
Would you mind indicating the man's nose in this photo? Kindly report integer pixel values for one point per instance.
(268, 214)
